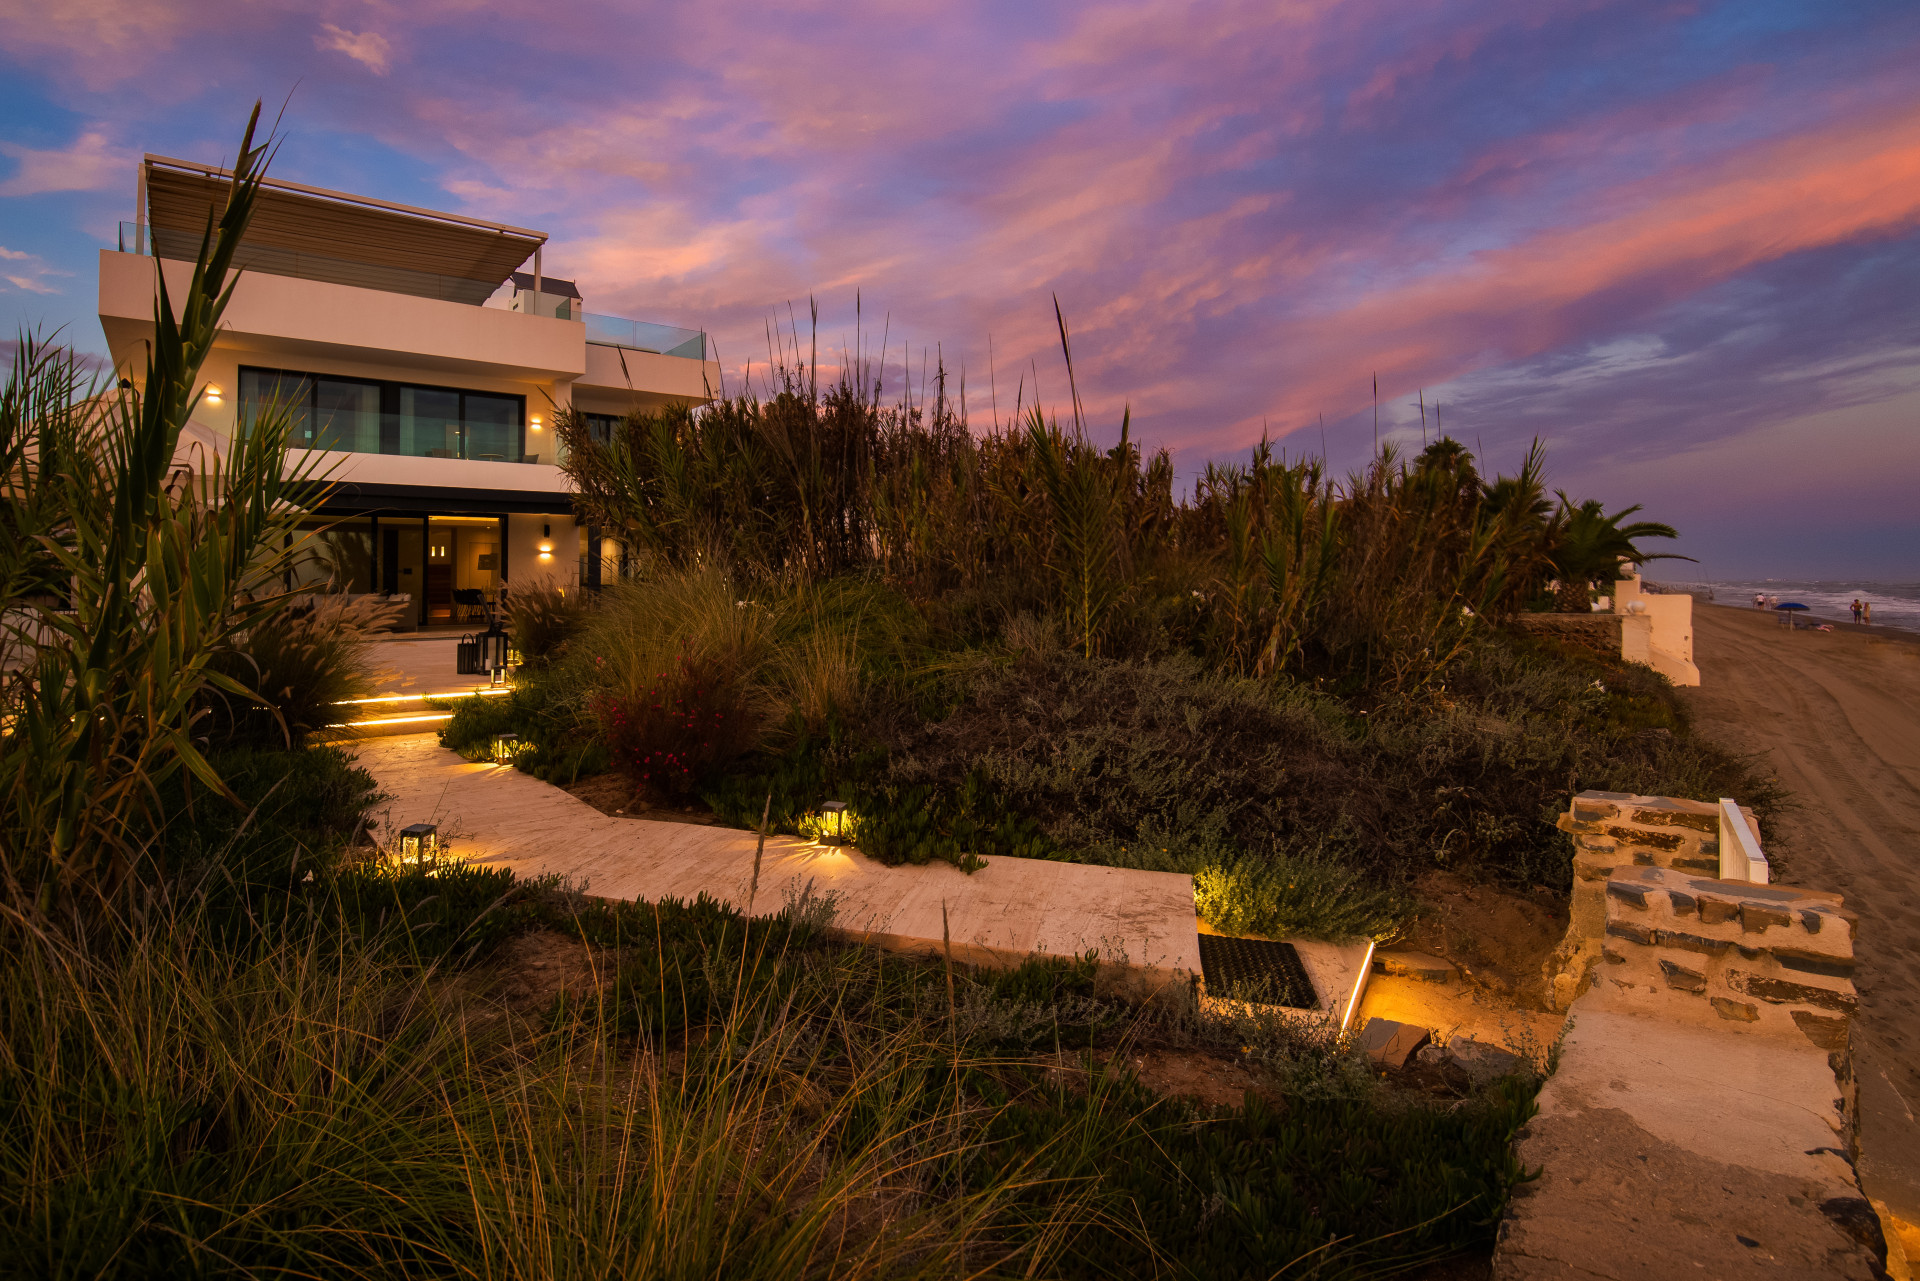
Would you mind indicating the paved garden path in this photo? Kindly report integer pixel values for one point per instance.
(1008, 910)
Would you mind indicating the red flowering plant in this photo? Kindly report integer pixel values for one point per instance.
(690, 721)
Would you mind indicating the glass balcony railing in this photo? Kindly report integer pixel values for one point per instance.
(136, 238)
(377, 433)
(642, 335)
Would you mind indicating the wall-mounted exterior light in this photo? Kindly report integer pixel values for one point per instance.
(213, 394)
(833, 822)
(534, 422)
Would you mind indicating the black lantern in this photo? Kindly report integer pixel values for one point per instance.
(833, 822)
(419, 842)
(495, 653)
(505, 748)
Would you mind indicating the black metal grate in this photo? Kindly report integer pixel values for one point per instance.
(1255, 970)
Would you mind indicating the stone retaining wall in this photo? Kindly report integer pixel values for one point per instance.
(1779, 959)
(1601, 632)
(1620, 830)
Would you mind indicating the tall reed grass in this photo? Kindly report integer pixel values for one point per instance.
(126, 580)
(1268, 566)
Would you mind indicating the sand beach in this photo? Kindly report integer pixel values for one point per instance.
(1836, 715)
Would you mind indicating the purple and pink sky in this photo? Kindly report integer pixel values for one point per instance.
(1679, 241)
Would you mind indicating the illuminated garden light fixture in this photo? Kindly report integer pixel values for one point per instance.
(833, 822)
(495, 653)
(505, 748)
(419, 842)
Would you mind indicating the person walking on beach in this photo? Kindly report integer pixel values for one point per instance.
(1866, 612)
(1759, 600)
(1856, 609)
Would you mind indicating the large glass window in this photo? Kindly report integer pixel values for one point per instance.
(265, 391)
(334, 555)
(429, 422)
(366, 416)
(600, 427)
(492, 426)
(346, 415)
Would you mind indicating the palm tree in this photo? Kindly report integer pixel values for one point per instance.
(1590, 544)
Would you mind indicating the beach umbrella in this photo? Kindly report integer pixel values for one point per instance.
(1789, 608)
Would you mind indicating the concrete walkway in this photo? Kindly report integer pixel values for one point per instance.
(420, 664)
(1670, 1149)
(1142, 922)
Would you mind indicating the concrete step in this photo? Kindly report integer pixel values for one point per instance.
(399, 713)
(1416, 965)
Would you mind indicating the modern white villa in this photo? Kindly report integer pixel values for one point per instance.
(423, 355)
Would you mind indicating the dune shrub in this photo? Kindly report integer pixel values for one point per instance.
(293, 813)
(1298, 896)
(1156, 765)
(692, 721)
(547, 712)
(423, 913)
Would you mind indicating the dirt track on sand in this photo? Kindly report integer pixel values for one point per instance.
(1836, 715)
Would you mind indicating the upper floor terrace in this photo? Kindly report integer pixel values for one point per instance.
(346, 286)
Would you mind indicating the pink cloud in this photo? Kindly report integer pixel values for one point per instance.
(89, 163)
(368, 48)
(1854, 181)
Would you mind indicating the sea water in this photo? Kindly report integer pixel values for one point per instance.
(1894, 604)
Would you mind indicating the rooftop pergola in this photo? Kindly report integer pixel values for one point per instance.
(332, 236)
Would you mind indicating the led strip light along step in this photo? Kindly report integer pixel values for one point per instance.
(393, 720)
(412, 698)
(397, 703)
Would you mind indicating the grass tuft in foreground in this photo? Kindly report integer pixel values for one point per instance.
(726, 1097)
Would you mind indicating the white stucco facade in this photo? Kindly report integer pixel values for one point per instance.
(415, 511)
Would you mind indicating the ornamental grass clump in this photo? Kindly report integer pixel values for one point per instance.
(297, 667)
(543, 620)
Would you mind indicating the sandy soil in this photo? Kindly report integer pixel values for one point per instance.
(612, 794)
(1499, 939)
(1836, 715)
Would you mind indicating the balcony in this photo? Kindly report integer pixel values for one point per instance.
(295, 318)
(642, 335)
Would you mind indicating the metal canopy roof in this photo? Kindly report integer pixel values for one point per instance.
(318, 234)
